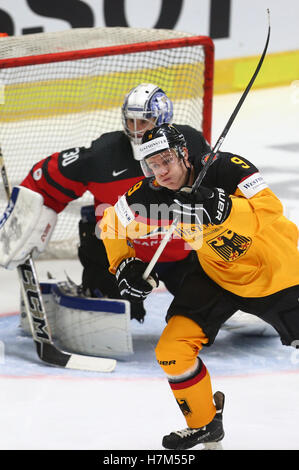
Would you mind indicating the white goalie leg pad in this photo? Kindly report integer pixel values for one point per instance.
(25, 227)
(98, 327)
(50, 307)
(248, 325)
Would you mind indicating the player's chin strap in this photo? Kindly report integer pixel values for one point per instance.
(188, 168)
(37, 316)
(210, 159)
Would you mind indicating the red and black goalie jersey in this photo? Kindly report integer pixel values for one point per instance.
(107, 169)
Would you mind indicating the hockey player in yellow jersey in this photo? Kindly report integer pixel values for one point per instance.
(247, 259)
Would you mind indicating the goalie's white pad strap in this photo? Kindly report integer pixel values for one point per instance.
(25, 227)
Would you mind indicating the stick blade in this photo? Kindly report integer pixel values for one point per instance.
(48, 353)
(96, 364)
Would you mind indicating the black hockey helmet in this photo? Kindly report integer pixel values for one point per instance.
(158, 140)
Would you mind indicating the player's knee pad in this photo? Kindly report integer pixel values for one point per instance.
(179, 344)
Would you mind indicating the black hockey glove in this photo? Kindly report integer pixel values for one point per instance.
(130, 283)
(204, 206)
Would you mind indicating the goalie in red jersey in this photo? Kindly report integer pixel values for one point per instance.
(107, 169)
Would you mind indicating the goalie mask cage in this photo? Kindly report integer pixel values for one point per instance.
(63, 90)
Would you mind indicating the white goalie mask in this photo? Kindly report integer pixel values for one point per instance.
(145, 107)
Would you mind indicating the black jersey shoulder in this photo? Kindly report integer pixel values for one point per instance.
(226, 171)
(150, 203)
(196, 143)
(109, 158)
(148, 192)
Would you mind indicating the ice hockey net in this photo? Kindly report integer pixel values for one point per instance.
(63, 90)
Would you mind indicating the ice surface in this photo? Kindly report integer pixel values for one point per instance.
(42, 407)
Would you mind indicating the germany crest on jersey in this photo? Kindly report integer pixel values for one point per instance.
(230, 245)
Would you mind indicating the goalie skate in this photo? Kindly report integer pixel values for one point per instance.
(208, 436)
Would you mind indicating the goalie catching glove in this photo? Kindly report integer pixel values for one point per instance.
(204, 206)
(25, 227)
(131, 285)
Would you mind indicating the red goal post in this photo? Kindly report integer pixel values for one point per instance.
(63, 90)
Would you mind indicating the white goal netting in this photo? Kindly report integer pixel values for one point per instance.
(63, 90)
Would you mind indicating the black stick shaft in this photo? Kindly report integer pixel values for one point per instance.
(215, 149)
(222, 136)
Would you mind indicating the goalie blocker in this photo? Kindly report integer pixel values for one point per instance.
(96, 327)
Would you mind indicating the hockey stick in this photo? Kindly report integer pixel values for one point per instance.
(210, 159)
(37, 316)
